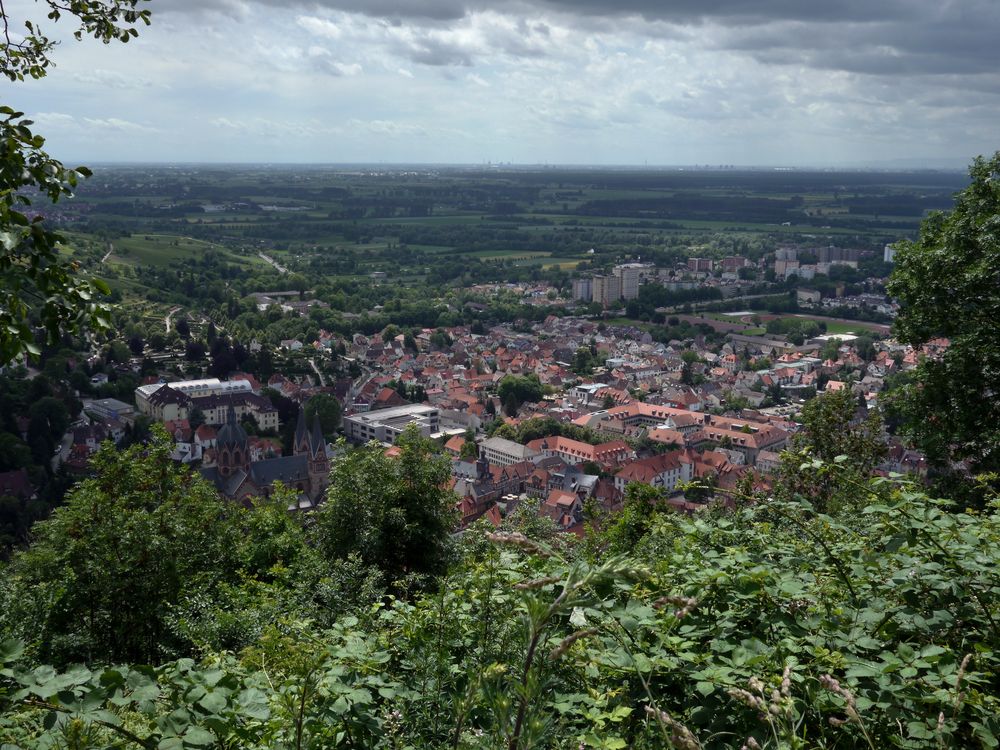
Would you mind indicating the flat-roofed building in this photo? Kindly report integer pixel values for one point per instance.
(606, 289)
(502, 452)
(111, 409)
(386, 425)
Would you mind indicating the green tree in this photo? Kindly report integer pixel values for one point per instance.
(470, 450)
(395, 513)
(103, 571)
(518, 389)
(50, 417)
(37, 283)
(836, 434)
(14, 452)
(118, 351)
(833, 426)
(327, 408)
(583, 361)
(641, 505)
(946, 283)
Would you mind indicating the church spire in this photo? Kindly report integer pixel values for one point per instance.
(317, 443)
(301, 433)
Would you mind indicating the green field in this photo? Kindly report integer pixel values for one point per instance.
(833, 326)
(160, 250)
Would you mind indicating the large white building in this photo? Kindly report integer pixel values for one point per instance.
(166, 402)
(502, 452)
(191, 389)
(385, 425)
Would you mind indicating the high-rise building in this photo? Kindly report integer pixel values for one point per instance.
(832, 254)
(734, 263)
(582, 289)
(628, 279)
(606, 290)
(700, 264)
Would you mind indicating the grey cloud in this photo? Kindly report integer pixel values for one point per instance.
(878, 37)
(676, 11)
(435, 52)
(945, 45)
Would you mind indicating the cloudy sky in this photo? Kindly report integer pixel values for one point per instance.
(671, 82)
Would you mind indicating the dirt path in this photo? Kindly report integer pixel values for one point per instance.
(166, 320)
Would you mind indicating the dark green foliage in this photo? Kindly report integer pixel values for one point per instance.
(98, 579)
(946, 282)
(627, 528)
(146, 563)
(394, 513)
(515, 390)
(874, 629)
(835, 425)
(38, 286)
(328, 410)
(841, 435)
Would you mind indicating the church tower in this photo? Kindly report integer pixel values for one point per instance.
(319, 462)
(233, 446)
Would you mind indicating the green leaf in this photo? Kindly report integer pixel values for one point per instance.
(213, 702)
(10, 650)
(198, 737)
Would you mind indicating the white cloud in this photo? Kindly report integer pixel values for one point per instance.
(320, 27)
(116, 124)
(456, 80)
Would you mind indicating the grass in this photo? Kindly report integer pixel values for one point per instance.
(506, 254)
(846, 326)
(160, 250)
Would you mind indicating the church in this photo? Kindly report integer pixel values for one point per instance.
(239, 478)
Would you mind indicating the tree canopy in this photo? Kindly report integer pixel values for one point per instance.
(947, 284)
(112, 559)
(393, 512)
(37, 285)
(328, 409)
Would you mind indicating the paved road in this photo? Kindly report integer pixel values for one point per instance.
(273, 262)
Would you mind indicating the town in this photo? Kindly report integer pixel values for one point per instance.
(564, 412)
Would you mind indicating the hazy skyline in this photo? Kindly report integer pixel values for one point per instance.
(777, 82)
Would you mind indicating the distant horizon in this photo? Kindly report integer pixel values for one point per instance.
(904, 166)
